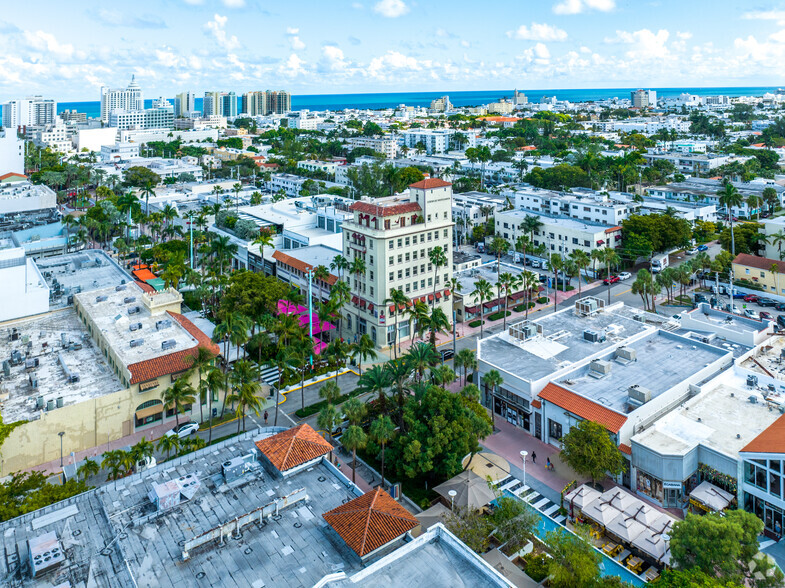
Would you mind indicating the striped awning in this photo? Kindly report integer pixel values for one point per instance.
(149, 411)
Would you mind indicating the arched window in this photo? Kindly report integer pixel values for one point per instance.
(149, 412)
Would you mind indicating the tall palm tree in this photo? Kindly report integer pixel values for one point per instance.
(328, 419)
(142, 450)
(113, 461)
(437, 322)
(375, 380)
(264, 239)
(201, 362)
(222, 249)
(582, 261)
(754, 202)
(88, 468)
(237, 187)
(482, 291)
(214, 383)
(778, 239)
(354, 438)
(358, 268)
(339, 264)
(505, 283)
(421, 357)
(338, 351)
(531, 224)
(354, 410)
(382, 432)
(179, 395)
(400, 302)
(438, 259)
(320, 274)
(611, 259)
(168, 443)
(247, 398)
(363, 349)
(340, 294)
(465, 360)
(730, 197)
(399, 371)
(281, 361)
(492, 381)
(232, 328)
(522, 243)
(147, 190)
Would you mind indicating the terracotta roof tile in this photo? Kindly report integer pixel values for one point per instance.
(370, 521)
(298, 264)
(145, 286)
(12, 175)
(430, 183)
(536, 404)
(625, 449)
(172, 363)
(583, 407)
(763, 263)
(382, 210)
(771, 440)
(294, 447)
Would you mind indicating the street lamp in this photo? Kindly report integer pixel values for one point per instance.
(452, 494)
(61, 434)
(523, 460)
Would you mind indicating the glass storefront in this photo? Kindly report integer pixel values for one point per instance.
(650, 486)
(770, 515)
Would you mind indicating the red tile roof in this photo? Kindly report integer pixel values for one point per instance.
(771, 440)
(294, 447)
(612, 229)
(763, 263)
(370, 521)
(381, 210)
(145, 286)
(11, 175)
(430, 183)
(298, 264)
(625, 449)
(172, 363)
(536, 404)
(583, 407)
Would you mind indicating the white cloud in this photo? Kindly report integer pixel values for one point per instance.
(294, 39)
(770, 52)
(194, 2)
(292, 67)
(646, 44)
(292, 31)
(776, 15)
(217, 27)
(538, 32)
(119, 19)
(332, 59)
(391, 8)
(578, 6)
(47, 42)
(392, 61)
(234, 3)
(684, 35)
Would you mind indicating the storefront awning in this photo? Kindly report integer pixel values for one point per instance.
(149, 411)
(517, 295)
(472, 309)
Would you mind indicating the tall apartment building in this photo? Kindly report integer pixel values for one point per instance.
(212, 104)
(152, 118)
(435, 140)
(385, 145)
(278, 102)
(394, 237)
(644, 99)
(129, 98)
(12, 153)
(519, 98)
(442, 104)
(229, 104)
(184, 103)
(30, 111)
(254, 103)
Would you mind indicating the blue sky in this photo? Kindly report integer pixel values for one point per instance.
(67, 50)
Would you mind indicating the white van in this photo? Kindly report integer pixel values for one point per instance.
(659, 263)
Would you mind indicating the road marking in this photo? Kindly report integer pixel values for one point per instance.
(620, 293)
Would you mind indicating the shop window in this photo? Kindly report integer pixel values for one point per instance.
(554, 429)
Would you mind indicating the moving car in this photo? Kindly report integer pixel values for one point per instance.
(749, 313)
(751, 298)
(446, 354)
(703, 247)
(611, 280)
(692, 251)
(183, 430)
(767, 302)
(625, 275)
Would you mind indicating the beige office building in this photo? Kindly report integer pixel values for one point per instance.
(394, 236)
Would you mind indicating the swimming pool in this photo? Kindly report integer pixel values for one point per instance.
(608, 566)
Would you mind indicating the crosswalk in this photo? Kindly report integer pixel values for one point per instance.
(270, 376)
(532, 497)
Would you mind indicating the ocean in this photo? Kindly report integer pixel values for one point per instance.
(392, 99)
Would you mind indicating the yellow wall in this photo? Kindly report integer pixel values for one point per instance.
(772, 282)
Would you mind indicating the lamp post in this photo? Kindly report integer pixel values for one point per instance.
(523, 461)
(452, 494)
(61, 434)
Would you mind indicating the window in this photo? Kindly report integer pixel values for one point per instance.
(422, 283)
(407, 287)
(407, 272)
(391, 244)
(370, 243)
(406, 258)
(400, 274)
(414, 270)
(747, 271)
(391, 260)
(429, 236)
(400, 243)
(371, 292)
(370, 258)
(392, 276)
(445, 233)
(407, 241)
(414, 255)
(400, 258)
(422, 237)
(554, 429)
(763, 274)
(370, 275)
(575, 240)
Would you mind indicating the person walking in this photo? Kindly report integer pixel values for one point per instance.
(265, 417)
(534, 457)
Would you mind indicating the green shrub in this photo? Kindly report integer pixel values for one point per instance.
(532, 304)
(476, 323)
(536, 566)
(520, 308)
(497, 315)
(542, 300)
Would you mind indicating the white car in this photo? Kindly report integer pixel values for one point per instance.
(183, 430)
(692, 251)
(625, 275)
(749, 313)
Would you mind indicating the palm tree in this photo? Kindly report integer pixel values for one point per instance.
(168, 443)
(438, 259)
(754, 202)
(113, 461)
(330, 392)
(492, 381)
(778, 239)
(179, 395)
(399, 301)
(471, 392)
(499, 247)
(354, 410)
(443, 375)
(247, 398)
(222, 249)
(375, 380)
(337, 351)
(522, 243)
(328, 419)
(265, 239)
(362, 350)
(420, 357)
(483, 292)
(611, 259)
(128, 203)
(142, 450)
(201, 362)
(730, 197)
(775, 270)
(280, 361)
(582, 261)
(382, 432)
(237, 187)
(147, 190)
(320, 274)
(354, 438)
(357, 267)
(398, 371)
(214, 383)
(232, 328)
(437, 322)
(465, 359)
(418, 314)
(339, 297)
(88, 468)
(532, 224)
(506, 281)
(339, 264)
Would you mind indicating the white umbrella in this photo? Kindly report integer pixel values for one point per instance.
(472, 491)
(601, 512)
(620, 499)
(581, 496)
(625, 527)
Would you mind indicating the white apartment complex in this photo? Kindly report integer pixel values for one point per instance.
(394, 237)
(152, 118)
(127, 99)
(386, 146)
(54, 135)
(264, 103)
(184, 104)
(435, 140)
(12, 153)
(30, 111)
(582, 204)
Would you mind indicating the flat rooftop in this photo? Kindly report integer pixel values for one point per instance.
(43, 339)
(713, 419)
(109, 308)
(468, 277)
(562, 343)
(560, 221)
(768, 359)
(83, 271)
(663, 360)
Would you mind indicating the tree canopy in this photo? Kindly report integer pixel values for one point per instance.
(252, 294)
(661, 231)
(588, 449)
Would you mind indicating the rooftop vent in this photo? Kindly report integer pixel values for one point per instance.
(134, 310)
(593, 336)
(136, 342)
(101, 298)
(135, 326)
(752, 399)
(129, 299)
(162, 324)
(752, 381)
(168, 344)
(638, 395)
(599, 368)
(625, 355)
(119, 288)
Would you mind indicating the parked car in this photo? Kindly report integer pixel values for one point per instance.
(183, 430)
(732, 308)
(739, 295)
(751, 298)
(536, 263)
(611, 280)
(765, 316)
(780, 306)
(767, 302)
(781, 320)
(703, 247)
(625, 275)
(692, 251)
(446, 354)
(700, 298)
(749, 313)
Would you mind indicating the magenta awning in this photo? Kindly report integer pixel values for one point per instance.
(319, 346)
(286, 307)
(317, 326)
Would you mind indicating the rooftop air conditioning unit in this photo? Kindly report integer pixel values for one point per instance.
(129, 299)
(136, 342)
(134, 310)
(626, 355)
(530, 330)
(119, 288)
(135, 326)
(600, 367)
(101, 298)
(593, 336)
(168, 344)
(638, 395)
(162, 324)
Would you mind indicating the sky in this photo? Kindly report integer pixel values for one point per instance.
(68, 50)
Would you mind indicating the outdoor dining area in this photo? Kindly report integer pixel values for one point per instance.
(623, 527)
(308, 322)
(706, 497)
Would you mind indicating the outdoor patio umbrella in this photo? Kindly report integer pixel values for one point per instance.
(625, 527)
(581, 496)
(620, 499)
(655, 540)
(644, 514)
(488, 465)
(438, 513)
(601, 512)
(472, 491)
(712, 497)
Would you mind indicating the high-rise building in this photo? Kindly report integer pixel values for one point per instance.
(127, 99)
(12, 152)
(212, 104)
(442, 104)
(254, 103)
(644, 99)
(519, 98)
(278, 102)
(184, 103)
(30, 111)
(229, 104)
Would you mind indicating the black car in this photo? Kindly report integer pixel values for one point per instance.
(766, 302)
(780, 306)
(446, 354)
(700, 298)
(781, 320)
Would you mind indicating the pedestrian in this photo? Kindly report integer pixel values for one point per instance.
(548, 464)
(265, 417)
(534, 457)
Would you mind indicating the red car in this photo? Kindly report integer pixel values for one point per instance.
(765, 316)
(751, 298)
(611, 280)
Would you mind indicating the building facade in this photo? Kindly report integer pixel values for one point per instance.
(128, 99)
(184, 104)
(30, 111)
